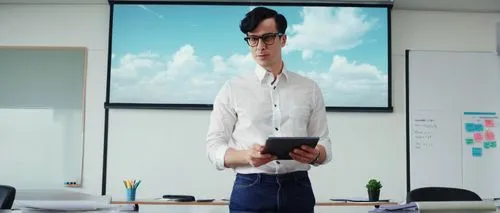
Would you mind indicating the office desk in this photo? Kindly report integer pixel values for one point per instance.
(196, 209)
(224, 203)
(484, 206)
(158, 205)
(224, 209)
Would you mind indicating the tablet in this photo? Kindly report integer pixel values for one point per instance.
(282, 146)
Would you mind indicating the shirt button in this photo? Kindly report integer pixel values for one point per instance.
(274, 87)
(275, 105)
(276, 128)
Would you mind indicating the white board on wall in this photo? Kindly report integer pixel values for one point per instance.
(41, 116)
(445, 92)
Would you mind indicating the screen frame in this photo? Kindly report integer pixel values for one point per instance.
(170, 106)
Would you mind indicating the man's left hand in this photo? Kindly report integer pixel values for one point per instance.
(305, 154)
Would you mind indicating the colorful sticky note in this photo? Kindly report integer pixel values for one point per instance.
(479, 127)
(469, 127)
(477, 151)
(489, 135)
(486, 145)
(489, 123)
(493, 144)
(478, 137)
(469, 141)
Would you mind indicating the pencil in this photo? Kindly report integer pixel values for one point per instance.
(137, 184)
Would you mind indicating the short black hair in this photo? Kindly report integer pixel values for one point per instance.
(257, 15)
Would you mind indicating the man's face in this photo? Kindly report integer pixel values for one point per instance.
(265, 44)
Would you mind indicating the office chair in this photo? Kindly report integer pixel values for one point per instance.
(7, 195)
(441, 194)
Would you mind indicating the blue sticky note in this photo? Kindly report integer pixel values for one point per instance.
(479, 127)
(477, 151)
(469, 127)
(493, 144)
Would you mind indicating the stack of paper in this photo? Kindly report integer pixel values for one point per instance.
(357, 199)
(63, 205)
(59, 200)
(408, 207)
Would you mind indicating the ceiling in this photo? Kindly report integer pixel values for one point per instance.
(492, 6)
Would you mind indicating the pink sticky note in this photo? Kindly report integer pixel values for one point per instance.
(489, 123)
(478, 137)
(489, 135)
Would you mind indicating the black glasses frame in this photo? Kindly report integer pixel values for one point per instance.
(270, 42)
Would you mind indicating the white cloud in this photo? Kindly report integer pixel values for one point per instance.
(183, 78)
(182, 64)
(235, 63)
(328, 30)
(131, 65)
(351, 83)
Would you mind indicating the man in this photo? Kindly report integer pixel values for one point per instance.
(268, 102)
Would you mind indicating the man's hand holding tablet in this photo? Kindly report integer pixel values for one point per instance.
(305, 154)
(301, 149)
(256, 158)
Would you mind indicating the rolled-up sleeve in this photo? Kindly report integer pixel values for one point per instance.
(318, 123)
(222, 121)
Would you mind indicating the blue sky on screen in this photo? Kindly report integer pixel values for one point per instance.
(183, 54)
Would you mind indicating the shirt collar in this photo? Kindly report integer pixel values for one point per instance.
(262, 73)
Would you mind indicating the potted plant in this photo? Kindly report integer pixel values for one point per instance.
(373, 187)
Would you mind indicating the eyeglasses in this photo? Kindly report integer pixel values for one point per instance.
(268, 39)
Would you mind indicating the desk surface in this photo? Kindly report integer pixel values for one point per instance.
(222, 203)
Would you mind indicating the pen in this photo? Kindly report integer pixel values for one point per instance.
(137, 184)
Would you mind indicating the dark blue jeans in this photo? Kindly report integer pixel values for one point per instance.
(263, 193)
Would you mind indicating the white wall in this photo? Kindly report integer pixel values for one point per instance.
(375, 148)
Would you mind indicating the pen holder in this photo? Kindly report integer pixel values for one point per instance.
(131, 194)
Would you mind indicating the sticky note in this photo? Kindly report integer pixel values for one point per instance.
(489, 135)
(469, 127)
(469, 141)
(493, 144)
(489, 123)
(477, 151)
(486, 145)
(478, 137)
(479, 127)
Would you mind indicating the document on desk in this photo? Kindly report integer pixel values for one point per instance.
(63, 205)
(357, 199)
(399, 208)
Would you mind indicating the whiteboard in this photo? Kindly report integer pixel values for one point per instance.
(41, 116)
(447, 91)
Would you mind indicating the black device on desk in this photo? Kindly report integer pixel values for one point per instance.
(179, 198)
(205, 200)
(282, 146)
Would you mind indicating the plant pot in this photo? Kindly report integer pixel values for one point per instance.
(373, 195)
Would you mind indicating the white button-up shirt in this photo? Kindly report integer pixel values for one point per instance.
(251, 107)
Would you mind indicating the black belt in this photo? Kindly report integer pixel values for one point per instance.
(284, 176)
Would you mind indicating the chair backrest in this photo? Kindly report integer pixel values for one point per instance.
(441, 194)
(7, 195)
